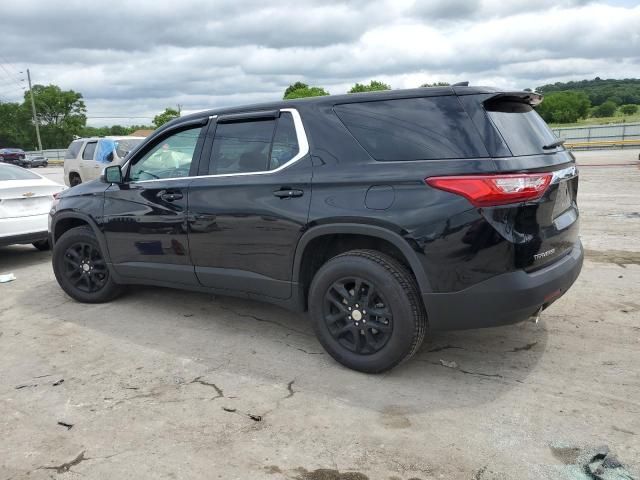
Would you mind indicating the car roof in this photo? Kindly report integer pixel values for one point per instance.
(331, 100)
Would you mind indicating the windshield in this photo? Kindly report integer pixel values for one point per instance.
(524, 131)
(125, 145)
(9, 172)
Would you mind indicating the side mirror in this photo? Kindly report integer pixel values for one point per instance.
(112, 174)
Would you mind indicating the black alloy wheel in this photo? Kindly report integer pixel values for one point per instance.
(357, 315)
(85, 268)
(81, 268)
(366, 310)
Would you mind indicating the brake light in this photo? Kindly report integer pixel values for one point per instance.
(492, 190)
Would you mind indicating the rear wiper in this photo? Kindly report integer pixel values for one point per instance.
(555, 144)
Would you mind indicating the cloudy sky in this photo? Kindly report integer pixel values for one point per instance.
(132, 59)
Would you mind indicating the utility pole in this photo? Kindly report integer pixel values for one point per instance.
(179, 109)
(33, 111)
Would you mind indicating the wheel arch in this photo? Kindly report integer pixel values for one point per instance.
(64, 221)
(400, 248)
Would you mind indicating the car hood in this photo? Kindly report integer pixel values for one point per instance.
(88, 188)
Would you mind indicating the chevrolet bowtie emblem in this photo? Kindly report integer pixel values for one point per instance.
(28, 194)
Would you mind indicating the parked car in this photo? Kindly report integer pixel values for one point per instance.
(12, 155)
(33, 161)
(25, 201)
(86, 157)
(381, 214)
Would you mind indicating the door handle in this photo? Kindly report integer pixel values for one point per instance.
(170, 196)
(288, 193)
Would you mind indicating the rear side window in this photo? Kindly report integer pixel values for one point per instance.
(253, 146)
(523, 130)
(89, 150)
(413, 129)
(74, 148)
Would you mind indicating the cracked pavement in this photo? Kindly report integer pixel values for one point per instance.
(172, 384)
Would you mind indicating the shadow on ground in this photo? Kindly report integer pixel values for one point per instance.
(243, 337)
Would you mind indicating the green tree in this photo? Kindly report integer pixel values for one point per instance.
(564, 107)
(306, 91)
(291, 88)
(436, 84)
(374, 86)
(16, 126)
(606, 109)
(61, 114)
(166, 116)
(629, 109)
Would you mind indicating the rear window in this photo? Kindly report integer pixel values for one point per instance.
(413, 129)
(9, 172)
(74, 148)
(125, 145)
(523, 130)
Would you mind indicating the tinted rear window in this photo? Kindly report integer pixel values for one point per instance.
(413, 129)
(74, 148)
(523, 130)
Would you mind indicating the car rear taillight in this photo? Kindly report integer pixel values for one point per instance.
(492, 190)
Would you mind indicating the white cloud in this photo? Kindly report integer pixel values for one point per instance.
(135, 59)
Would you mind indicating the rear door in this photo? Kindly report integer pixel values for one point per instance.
(89, 168)
(248, 208)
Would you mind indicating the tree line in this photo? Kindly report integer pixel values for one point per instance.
(62, 114)
(570, 101)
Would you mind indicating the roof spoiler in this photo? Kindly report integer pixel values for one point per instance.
(533, 99)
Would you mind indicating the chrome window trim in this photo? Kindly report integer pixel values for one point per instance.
(303, 145)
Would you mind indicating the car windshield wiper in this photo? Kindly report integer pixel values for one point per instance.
(555, 144)
(148, 173)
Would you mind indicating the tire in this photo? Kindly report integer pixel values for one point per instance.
(42, 245)
(385, 287)
(75, 180)
(81, 269)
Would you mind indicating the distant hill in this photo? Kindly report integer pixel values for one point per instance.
(625, 91)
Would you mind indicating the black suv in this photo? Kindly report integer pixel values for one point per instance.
(382, 214)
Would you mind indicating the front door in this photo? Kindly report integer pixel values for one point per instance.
(250, 205)
(145, 217)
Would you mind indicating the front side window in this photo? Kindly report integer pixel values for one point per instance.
(253, 146)
(89, 150)
(169, 158)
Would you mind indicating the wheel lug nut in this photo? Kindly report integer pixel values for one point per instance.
(357, 324)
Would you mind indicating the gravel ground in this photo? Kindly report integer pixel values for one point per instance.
(170, 384)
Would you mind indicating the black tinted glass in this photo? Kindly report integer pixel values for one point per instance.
(74, 148)
(285, 142)
(242, 147)
(413, 129)
(524, 131)
(89, 150)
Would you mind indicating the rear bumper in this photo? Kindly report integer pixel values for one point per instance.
(21, 230)
(503, 299)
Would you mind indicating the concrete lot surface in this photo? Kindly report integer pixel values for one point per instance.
(177, 385)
